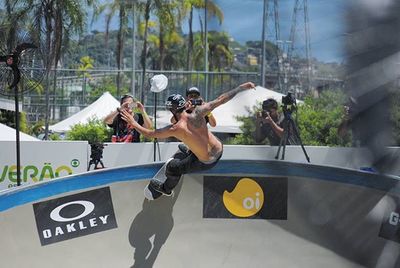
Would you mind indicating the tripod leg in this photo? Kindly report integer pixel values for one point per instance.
(280, 143)
(283, 140)
(296, 133)
(286, 138)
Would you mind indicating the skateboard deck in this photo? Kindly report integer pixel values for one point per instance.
(149, 192)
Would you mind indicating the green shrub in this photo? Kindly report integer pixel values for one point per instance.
(94, 131)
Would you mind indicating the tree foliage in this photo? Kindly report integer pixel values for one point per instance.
(8, 118)
(319, 119)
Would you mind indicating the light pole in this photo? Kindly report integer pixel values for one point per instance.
(133, 48)
(263, 59)
(283, 64)
(206, 49)
(133, 80)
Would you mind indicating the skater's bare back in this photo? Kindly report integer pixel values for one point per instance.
(191, 128)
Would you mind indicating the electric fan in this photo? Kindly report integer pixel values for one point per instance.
(21, 70)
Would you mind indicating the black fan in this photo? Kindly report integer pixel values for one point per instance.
(21, 70)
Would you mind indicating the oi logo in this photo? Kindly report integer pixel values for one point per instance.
(246, 199)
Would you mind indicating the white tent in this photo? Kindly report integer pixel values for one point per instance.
(8, 134)
(226, 113)
(98, 109)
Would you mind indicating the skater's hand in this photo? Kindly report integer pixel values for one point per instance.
(248, 85)
(128, 118)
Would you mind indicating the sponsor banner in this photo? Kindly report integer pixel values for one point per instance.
(390, 228)
(41, 161)
(74, 216)
(245, 197)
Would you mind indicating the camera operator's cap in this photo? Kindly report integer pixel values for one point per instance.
(175, 103)
(193, 90)
(269, 103)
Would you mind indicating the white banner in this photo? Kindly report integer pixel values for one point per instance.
(41, 160)
(45, 160)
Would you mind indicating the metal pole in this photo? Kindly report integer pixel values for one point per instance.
(264, 27)
(155, 126)
(206, 50)
(17, 136)
(47, 104)
(133, 48)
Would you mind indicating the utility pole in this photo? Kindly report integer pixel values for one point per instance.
(264, 27)
(300, 38)
(283, 65)
(133, 80)
(271, 32)
(206, 49)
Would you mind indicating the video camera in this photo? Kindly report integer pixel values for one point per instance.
(96, 154)
(289, 99)
(196, 102)
(96, 150)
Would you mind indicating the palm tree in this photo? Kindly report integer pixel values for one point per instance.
(213, 10)
(166, 23)
(147, 8)
(122, 7)
(219, 55)
(14, 18)
(57, 19)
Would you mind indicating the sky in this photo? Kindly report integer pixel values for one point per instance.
(243, 21)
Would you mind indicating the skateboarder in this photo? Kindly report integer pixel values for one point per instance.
(191, 129)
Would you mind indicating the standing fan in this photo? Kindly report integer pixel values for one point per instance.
(21, 70)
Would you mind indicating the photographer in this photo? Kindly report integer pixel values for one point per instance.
(194, 98)
(122, 131)
(351, 122)
(269, 123)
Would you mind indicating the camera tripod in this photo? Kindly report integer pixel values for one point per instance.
(96, 156)
(288, 126)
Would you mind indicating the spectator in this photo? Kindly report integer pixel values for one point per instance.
(122, 132)
(351, 122)
(194, 98)
(269, 123)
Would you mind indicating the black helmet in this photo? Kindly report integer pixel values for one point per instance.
(193, 90)
(175, 103)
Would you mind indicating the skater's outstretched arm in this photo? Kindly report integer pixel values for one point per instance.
(209, 106)
(162, 133)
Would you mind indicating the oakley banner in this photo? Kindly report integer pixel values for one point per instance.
(74, 216)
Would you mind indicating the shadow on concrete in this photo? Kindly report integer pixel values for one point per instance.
(151, 227)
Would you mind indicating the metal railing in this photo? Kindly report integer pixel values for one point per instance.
(71, 90)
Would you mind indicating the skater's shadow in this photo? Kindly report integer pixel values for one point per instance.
(151, 228)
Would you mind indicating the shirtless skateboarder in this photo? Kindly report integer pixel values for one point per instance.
(191, 129)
